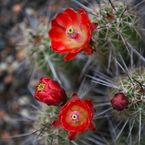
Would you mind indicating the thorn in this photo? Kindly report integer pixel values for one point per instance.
(112, 5)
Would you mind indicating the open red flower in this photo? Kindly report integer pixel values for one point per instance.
(76, 116)
(119, 102)
(71, 32)
(50, 92)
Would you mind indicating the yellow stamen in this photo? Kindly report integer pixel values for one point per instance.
(74, 116)
(40, 87)
(70, 30)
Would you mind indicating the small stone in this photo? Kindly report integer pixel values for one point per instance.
(2, 114)
(6, 136)
(8, 79)
(24, 100)
(17, 8)
(20, 56)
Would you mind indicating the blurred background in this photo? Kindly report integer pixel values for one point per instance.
(17, 109)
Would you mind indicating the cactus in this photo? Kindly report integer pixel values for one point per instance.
(114, 67)
(117, 30)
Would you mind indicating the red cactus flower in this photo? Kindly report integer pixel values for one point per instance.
(76, 116)
(71, 32)
(50, 92)
(119, 102)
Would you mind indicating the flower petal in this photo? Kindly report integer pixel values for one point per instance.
(72, 135)
(58, 38)
(44, 80)
(54, 23)
(84, 17)
(59, 47)
(74, 97)
(89, 102)
(54, 85)
(75, 17)
(56, 123)
(52, 98)
(70, 56)
(57, 34)
(64, 20)
(88, 50)
(64, 47)
(93, 126)
(40, 95)
(94, 26)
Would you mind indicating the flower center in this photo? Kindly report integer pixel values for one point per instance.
(70, 30)
(72, 33)
(75, 116)
(40, 87)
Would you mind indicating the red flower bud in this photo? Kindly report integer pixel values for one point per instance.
(119, 102)
(49, 92)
